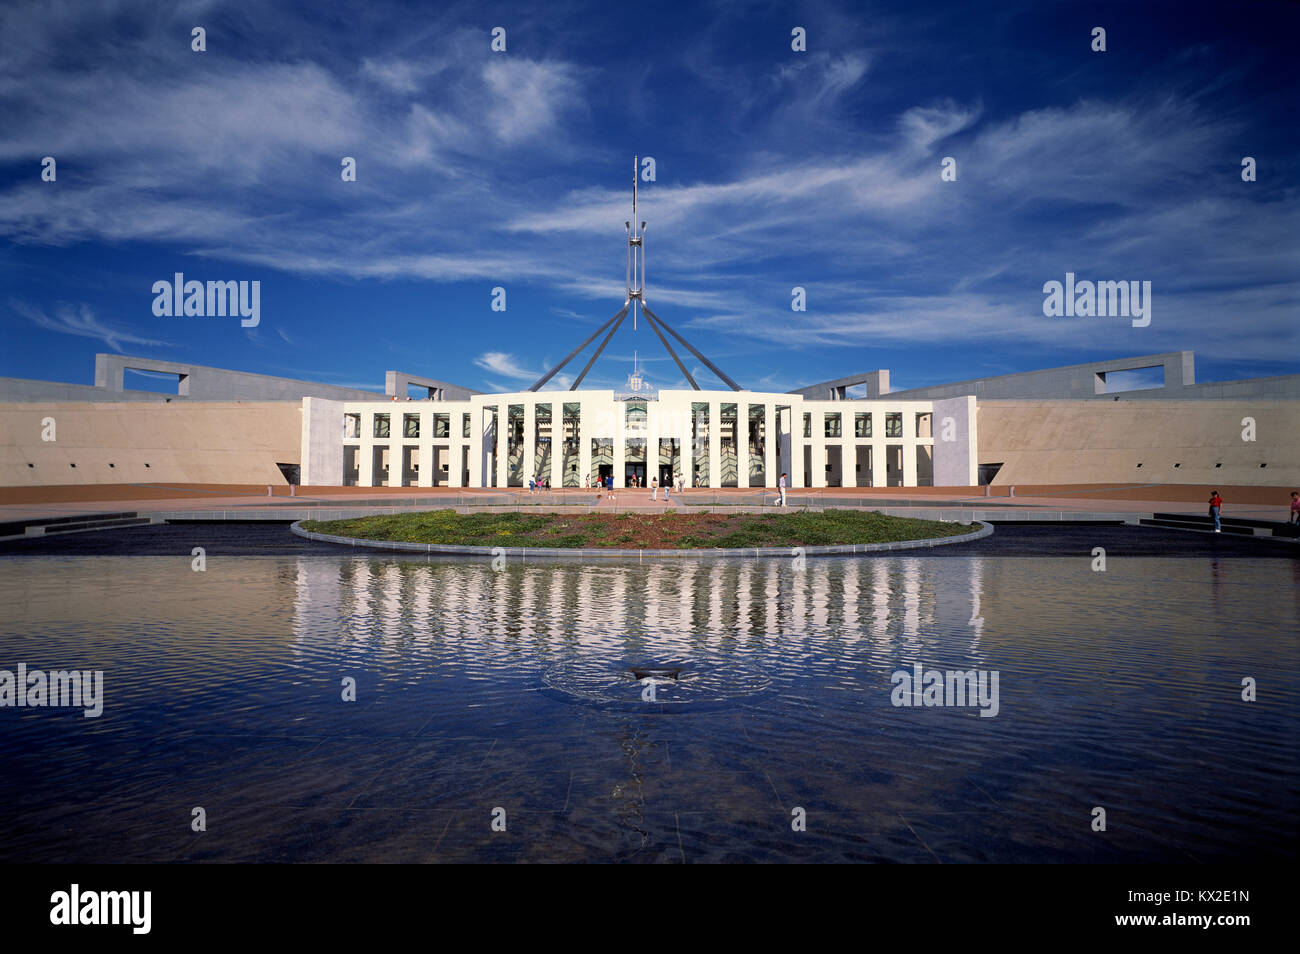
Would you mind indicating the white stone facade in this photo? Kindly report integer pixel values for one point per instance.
(711, 438)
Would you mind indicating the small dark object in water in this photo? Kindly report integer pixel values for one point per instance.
(646, 672)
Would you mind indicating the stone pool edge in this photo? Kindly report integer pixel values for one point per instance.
(558, 553)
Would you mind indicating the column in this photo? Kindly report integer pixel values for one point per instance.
(652, 431)
(455, 472)
(848, 449)
(426, 453)
(366, 465)
(530, 440)
(620, 443)
(685, 446)
(584, 442)
(796, 444)
(818, 474)
(909, 448)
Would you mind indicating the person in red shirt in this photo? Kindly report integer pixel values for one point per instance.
(1295, 508)
(1216, 504)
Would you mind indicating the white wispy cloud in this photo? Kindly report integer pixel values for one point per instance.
(498, 362)
(81, 321)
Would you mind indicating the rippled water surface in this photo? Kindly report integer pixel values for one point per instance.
(659, 712)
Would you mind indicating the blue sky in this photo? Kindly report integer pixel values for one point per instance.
(774, 169)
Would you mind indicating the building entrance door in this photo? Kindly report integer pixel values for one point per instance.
(634, 470)
(665, 475)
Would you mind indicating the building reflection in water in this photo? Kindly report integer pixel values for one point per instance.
(900, 607)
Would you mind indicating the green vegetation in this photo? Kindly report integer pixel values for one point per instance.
(636, 531)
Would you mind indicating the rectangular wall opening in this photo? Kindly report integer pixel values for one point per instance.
(602, 458)
(669, 461)
(440, 458)
(1136, 379)
(572, 429)
(727, 433)
(700, 443)
(924, 465)
(862, 467)
(156, 382)
(834, 466)
(894, 464)
(757, 446)
(380, 464)
(410, 465)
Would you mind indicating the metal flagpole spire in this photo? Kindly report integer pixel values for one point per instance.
(635, 301)
(635, 250)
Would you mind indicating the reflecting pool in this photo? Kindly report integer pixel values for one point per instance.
(669, 711)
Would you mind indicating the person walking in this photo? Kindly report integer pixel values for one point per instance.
(668, 486)
(1216, 506)
(780, 488)
(1295, 508)
(654, 488)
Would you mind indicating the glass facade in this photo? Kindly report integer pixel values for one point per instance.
(727, 439)
(700, 443)
(757, 445)
(572, 427)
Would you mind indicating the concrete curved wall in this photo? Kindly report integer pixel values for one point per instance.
(1095, 442)
(230, 442)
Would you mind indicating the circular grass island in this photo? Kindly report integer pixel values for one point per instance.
(615, 533)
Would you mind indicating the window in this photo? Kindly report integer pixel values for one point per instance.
(699, 424)
(862, 424)
(464, 425)
(442, 425)
(894, 424)
(381, 425)
(924, 424)
(807, 425)
(352, 425)
(833, 424)
(515, 427)
(410, 425)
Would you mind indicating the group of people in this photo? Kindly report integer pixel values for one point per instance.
(607, 483)
(538, 484)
